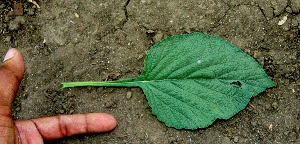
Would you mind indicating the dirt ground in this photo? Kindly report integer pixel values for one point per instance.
(98, 40)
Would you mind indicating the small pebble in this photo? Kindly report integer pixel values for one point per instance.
(6, 18)
(253, 123)
(226, 140)
(7, 39)
(257, 54)
(2, 6)
(294, 22)
(76, 6)
(286, 27)
(158, 37)
(71, 111)
(275, 105)
(140, 56)
(18, 109)
(283, 20)
(30, 11)
(15, 24)
(271, 127)
(128, 95)
(268, 106)
(76, 15)
(109, 104)
(150, 31)
(286, 133)
(236, 139)
(289, 10)
(61, 111)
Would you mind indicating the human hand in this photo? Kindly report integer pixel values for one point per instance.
(48, 128)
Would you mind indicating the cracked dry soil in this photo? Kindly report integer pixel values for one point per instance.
(96, 40)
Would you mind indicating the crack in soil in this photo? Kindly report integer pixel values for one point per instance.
(126, 13)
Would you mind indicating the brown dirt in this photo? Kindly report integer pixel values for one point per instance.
(96, 40)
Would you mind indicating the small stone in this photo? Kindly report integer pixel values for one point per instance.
(158, 37)
(150, 31)
(294, 22)
(257, 54)
(283, 20)
(2, 6)
(236, 139)
(15, 24)
(244, 134)
(286, 27)
(275, 105)
(268, 106)
(76, 15)
(297, 128)
(6, 18)
(188, 30)
(7, 39)
(271, 127)
(226, 140)
(76, 6)
(109, 104)
(289, 10)
(71, 111)
(61, 111)
(128, 95)
(30, 12)
(253, 123)
(18, 109)
(286, 133)
(140, 56)
(261, 61)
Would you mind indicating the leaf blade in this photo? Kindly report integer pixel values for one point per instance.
(199, 62)
(192, 80)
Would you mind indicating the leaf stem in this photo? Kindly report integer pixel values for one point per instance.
(125, 83)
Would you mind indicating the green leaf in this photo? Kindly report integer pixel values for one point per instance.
(192, 80)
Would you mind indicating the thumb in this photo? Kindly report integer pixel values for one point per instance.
(11, 74)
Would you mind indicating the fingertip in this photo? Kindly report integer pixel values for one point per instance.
(14, 63)
(100, 122)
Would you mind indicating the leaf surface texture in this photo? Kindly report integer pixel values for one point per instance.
(192, 80)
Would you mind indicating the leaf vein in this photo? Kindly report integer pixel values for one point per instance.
(216, 106)
(161, 102)
(205, 116)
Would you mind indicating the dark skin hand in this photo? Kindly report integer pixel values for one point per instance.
(34, 131)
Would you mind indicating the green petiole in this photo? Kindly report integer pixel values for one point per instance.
(125, 83)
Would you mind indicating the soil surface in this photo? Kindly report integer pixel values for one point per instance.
(97, 40)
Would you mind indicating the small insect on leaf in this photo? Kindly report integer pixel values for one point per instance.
(192, 80)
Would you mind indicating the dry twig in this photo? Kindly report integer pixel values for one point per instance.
(32, 1)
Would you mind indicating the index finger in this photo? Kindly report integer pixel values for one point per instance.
(55, 127)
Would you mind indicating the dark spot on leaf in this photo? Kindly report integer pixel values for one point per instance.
(237, 83)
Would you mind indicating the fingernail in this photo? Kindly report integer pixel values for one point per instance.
(10, 54)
